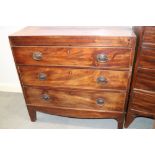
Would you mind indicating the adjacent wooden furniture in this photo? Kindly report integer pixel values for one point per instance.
(81, 72)
(142, 96)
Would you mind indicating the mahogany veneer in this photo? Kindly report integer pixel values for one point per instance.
(81, 72)
(142, 96)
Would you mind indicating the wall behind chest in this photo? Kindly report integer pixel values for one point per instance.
(8, 76)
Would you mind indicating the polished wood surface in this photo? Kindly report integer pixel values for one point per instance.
(145, 79)
(147, 59)
(118, 58)
(81, 36)
(143, 101)
(62, 73)
(149, 35)
(142, 96)
(74, 78)
(75, 31)
(76, 99)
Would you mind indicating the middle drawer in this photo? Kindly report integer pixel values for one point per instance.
(79, 57)
(73, 78)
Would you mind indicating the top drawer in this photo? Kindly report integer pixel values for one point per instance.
(81, 57)
(74, 36)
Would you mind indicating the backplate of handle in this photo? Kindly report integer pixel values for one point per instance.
(102, 57)
(42, 76)
(45, 97)
(101, 79)
(37, 56)
(100, 101)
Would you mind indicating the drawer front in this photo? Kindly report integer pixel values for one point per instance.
(73, 78)
(110, 41)
(149, 35)
(84, 57)
(95, 100)
(144, 102)
(145, 79)
(147, 58)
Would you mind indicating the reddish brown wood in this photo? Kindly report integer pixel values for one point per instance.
(67, 36)
(145, 79)
(74, 78)
(69, 60)
(77, 99)
(147, 59)
(77, 113)
(120, 120)
(32, 114)
(142, 96)
(149, 35)
(143, 101)
(118, 58)
(129, 118)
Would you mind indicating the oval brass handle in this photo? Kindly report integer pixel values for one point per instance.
(101, 79)
(45, 97)
(42, 76)
(37, 56)
(100, 101)
(102, 57)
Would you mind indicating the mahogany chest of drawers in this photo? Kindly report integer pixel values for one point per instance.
(81, 72)
(142, 96)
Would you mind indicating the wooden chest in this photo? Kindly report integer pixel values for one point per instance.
(142, 96)
(81, 72)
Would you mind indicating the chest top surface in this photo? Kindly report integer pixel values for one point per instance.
(75, 31)
(73, 36)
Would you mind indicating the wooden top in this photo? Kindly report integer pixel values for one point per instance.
(75, 31)
(98, 36)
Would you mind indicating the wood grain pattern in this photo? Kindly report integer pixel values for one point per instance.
(143, 102)
(70, 41)
(71, 70)
(83, 36)
(76, 99)
(75, 56)
(142, 95)
(81, 113)
(147, 58)
(149, 35)
(145, 79)
(74, 78)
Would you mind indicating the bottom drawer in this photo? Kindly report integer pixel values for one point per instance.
(143, 102)
(76, 99)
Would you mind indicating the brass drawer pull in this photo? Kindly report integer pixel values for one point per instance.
(101, 79)
(42, 76)
(45, 97)
(100, 101)
(102, 57)
(37, 56)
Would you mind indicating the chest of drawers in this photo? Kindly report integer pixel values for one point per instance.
(81, 72)
(142, 96)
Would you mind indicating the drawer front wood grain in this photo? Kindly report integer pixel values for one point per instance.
(145, 79)
(149, 36)
(112, 101)
(147, 58)
(144, 102)
(84, 57)
(74, 78)
(105, 41)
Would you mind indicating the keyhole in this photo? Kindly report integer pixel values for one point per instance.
(68, 51)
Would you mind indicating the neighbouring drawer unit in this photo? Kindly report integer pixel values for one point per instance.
(81, 72)
(142, 96)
